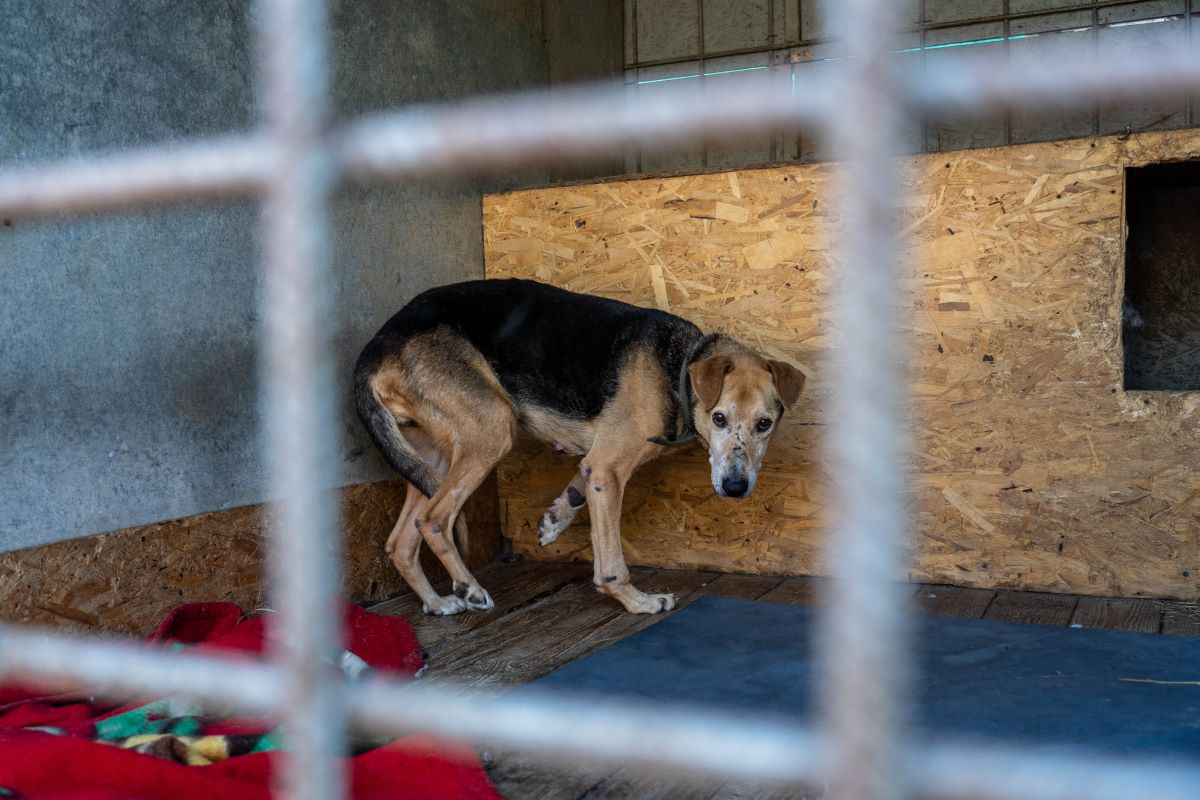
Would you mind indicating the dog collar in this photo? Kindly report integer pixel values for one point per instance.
(688, 433)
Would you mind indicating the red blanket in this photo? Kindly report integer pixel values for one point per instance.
(53, 748)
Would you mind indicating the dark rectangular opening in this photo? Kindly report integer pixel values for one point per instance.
(1161, 307)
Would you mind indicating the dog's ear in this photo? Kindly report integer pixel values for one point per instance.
(789, 382)
(708, 376)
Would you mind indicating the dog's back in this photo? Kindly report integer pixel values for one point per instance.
(549, 348)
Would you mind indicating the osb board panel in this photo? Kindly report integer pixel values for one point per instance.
(1031, 467)
(126, 581)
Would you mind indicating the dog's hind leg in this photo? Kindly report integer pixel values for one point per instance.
(412, 500)
(462, 534)
(457, 416)
(477, 452)
(562, 511)
(473, 423)
(404, 546)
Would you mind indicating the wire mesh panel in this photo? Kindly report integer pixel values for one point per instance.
(861, 747)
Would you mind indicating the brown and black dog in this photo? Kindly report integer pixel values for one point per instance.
(447, 383)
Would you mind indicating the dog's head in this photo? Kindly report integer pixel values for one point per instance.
(740, 398)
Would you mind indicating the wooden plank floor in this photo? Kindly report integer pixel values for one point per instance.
(549, 614)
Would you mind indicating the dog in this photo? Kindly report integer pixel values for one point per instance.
(449, 381)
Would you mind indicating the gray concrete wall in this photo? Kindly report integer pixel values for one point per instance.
(584, 43)
(128, 343)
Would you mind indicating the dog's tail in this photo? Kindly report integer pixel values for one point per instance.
(385, 432)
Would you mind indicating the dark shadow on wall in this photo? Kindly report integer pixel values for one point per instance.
(1161, 312)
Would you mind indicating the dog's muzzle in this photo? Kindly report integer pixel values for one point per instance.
(735, 486)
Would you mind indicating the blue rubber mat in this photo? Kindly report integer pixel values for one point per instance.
(1130, 693)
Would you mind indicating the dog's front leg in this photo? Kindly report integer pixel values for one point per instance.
(605, 486)
(562, 511)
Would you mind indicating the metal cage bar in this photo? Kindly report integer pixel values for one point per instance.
(297, 386)
(864, 663)
(293, 164)
(569, 727)
(504, 131)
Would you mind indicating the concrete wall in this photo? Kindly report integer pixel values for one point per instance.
(128, 343)
(584, 44)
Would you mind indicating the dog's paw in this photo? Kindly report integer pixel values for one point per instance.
(445, 606)
(666, 602)
(642, 603)
(549, 527)
(476, 597)
(480, 600)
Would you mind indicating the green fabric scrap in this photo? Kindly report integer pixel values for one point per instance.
(166, 715)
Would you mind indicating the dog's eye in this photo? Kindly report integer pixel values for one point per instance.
(764, 425)
(719, 419)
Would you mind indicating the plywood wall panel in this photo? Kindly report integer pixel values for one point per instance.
(126, 581)
(1032, 468)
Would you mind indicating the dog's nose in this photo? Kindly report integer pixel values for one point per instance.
(735, 486)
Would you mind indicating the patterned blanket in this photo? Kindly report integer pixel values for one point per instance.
(72, 747)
